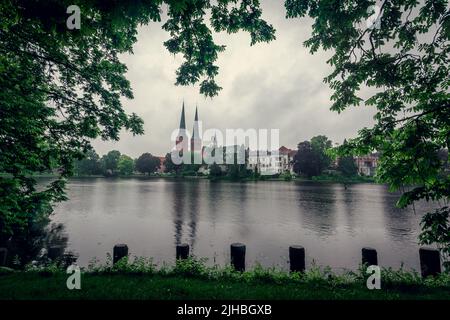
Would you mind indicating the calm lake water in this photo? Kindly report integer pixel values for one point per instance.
(153, 215)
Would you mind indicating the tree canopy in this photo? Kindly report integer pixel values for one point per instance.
(320, 145)
(346, 165)
(404, 58)
(61, 88)
(147, 163)
(169, 166)
(90, 165)
(125, 165)
(110, 162)
(306, 160)
(312, 156)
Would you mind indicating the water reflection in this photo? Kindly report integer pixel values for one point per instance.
(154, 215)
(214, 201)
(347, 197)
(194, 197)
(240, 193)
(402, 224)
(317, 206)
(178, 196)
(185, 198)
(35, 245)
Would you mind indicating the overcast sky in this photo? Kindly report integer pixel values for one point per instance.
(276, 85)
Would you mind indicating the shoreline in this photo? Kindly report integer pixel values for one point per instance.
(227, 179)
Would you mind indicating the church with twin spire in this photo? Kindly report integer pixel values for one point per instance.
(196, 140)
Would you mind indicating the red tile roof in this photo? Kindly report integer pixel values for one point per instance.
(284, 150)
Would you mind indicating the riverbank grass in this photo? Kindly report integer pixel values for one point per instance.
(192, 279)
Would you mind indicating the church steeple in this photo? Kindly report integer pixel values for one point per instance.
(182, 129)
(196, 141)
(182, 121)
(195, 129)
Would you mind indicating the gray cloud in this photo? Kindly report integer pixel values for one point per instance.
(276, 85)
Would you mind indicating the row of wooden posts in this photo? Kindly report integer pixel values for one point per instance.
(430, 263)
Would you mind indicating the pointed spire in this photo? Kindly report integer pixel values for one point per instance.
(215, 140)
(195, 128)
(182, 121)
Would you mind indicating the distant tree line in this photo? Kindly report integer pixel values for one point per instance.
(314, 157)
(115, 164)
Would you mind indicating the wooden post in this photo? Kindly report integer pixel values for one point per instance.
(182, 251)
(119, 251)
(3, 255)
(369, 256)
(55, 252)
(297, 258)
(238, 256)
(430, 262)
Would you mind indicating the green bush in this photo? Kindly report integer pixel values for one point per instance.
(286, 176)
(197, 268)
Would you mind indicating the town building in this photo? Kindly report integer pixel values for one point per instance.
(367, 164)
(162, 167)
(271, 162)
(286, 157)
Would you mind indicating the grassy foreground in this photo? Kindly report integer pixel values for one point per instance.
(191, 279)
(32, 286)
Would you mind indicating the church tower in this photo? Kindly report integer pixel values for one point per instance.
(182, 136)
(196, 141)
(182, 120)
